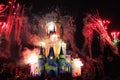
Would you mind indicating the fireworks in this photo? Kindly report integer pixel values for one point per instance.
(77, 64)
(115, 37)
(95, 23)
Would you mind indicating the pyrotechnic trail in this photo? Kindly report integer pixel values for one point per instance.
(95, 23)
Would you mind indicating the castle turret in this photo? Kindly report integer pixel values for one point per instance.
(61, 62)
(61, 55)
(51, 54)
(51, 65)
(41, 62)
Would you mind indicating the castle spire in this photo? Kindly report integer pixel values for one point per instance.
(41, 50)
(41, 62)
(51, 54)
(41, 53)
(61, 55)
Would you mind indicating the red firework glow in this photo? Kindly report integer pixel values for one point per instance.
(115, 35)
(13, 19)
(3, 25)
(30, 56)
(77, 64)
(95, 23)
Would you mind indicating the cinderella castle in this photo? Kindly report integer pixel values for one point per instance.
(52, 64)
(55, 56)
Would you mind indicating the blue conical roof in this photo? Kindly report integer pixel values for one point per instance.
(61, 55)
(61, 51)
(51, 53)
(41, 53)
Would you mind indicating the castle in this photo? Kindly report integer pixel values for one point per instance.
(54, 56)
(51, 63)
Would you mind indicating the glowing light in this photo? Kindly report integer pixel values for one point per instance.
(51, 57)
(100, 22)
(115, 37)
(63, 45)
(115, 41)
(32, 59)
(3, 24)
(77, 64)
(106, 22)
(113, 34)
(34, 69)
(54, 37)
(50, 27)
(95, 23)
(43, 44)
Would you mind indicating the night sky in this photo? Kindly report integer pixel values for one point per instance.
(108, 9)
(78, 8)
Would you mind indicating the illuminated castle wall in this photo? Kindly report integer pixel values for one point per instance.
(51, 63)
(60, 63)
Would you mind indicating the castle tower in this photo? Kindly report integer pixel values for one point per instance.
(61, 62)
(51, 54)
(41, 62)
(51, 65)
